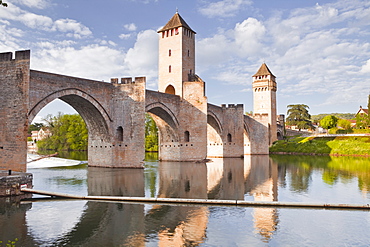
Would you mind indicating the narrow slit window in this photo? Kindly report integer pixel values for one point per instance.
(229, 138)
(186, 136)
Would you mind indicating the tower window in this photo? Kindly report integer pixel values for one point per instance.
(169, 52)
(169, 69)
(171, 32)
(188, 53)
(162, 35)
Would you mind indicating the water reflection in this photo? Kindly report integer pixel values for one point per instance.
(261, 183)
(258, 178)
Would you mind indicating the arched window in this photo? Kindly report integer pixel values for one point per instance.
(229, 138)
(170, 90)
(119, 134)
(169, 52)
(186, 136)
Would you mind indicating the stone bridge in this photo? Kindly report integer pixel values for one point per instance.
(190, 129)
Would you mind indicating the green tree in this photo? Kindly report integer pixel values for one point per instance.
(298, 115)
(344, 123)
(151, 134)
(329, 122)
(3, 4)
(68, 132)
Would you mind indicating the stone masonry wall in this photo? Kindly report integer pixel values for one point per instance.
(14, 79)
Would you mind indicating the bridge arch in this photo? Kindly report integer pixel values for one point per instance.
(165, 120)
(247, 140)
(214, 136)
(214, 128)
(94, 114)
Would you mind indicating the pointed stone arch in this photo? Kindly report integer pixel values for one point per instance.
(95, 116)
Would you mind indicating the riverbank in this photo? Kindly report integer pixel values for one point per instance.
(328, 145)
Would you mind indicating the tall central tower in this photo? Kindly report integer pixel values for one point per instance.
(264, 98)
(176, 56)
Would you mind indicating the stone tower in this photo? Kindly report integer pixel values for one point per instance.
(176, 56)
(264, 98)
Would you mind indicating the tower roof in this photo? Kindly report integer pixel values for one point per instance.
(263, 70)
(176, 21)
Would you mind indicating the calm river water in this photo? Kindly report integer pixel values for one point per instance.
(55, 222)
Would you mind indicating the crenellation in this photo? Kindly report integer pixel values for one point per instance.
(126, 80)
(6, 56)
(23, 55)
(141, 79)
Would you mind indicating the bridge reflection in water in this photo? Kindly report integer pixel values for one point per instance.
(113, 224)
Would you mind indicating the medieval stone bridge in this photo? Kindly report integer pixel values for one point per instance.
(190, 129)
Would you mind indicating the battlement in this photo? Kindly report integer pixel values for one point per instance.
(128, 80)
(232, 106)
(19, 55)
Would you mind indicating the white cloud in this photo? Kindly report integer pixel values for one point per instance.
(130, 27)
(223, 8)
(249, 36)
(75, 29)
(71, 27)
(39, 4)
(93, 61)
(142, 59)
(366, 67)
(124, 36)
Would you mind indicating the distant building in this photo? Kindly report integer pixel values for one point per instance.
(362, 118)
(36, 136)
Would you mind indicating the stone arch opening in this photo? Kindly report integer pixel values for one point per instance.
(247, 140)
(167, 125)
(94, 115)
(214, 139)
(170, 90)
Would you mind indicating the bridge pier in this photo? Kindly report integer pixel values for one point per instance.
(14, 83)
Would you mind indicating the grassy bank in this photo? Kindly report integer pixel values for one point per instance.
(342, 145)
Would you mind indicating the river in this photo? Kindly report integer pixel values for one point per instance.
(55, 222)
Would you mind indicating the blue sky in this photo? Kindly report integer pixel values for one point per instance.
(318, 50)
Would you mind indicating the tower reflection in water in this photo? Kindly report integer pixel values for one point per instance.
(115, 224)
(261, 182)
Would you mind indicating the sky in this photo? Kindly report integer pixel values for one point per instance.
(319, 51)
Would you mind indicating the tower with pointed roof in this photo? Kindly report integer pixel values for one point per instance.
(264, 98)
(176, 55)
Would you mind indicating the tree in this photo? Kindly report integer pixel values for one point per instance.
(298, 115)
(345, 124)
(329, 122)
(151, 134)
(68, 132)
(3, 4)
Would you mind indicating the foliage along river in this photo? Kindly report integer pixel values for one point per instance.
(283, 178)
